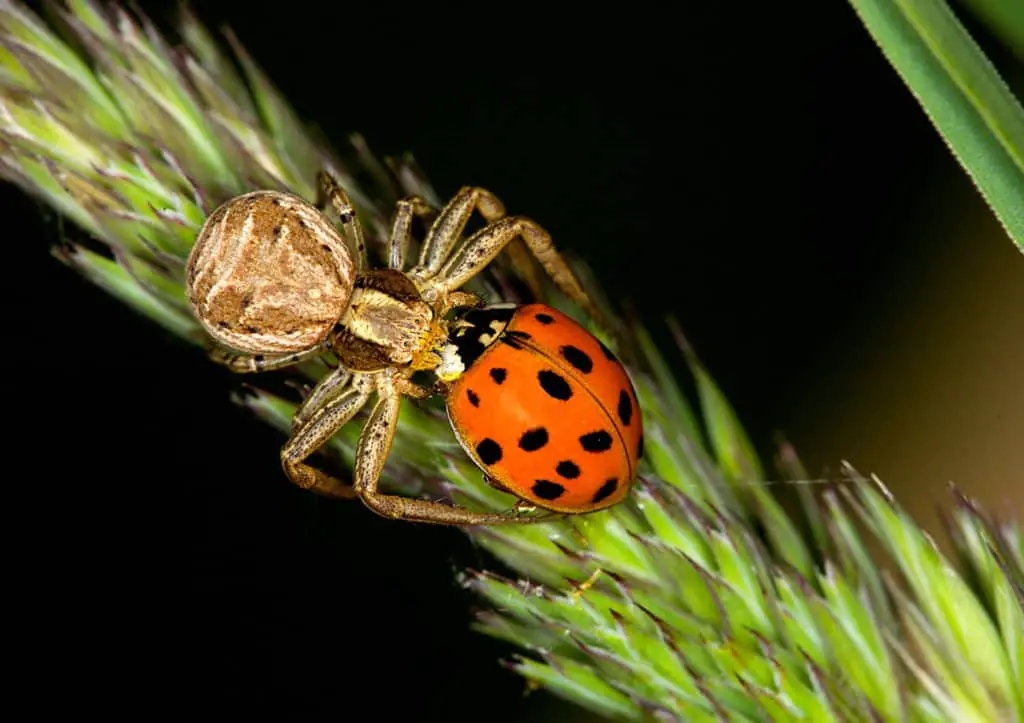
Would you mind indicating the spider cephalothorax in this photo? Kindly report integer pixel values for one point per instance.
(387, 323)
(274, 283)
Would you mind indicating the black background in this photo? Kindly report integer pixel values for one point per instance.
(752, 170)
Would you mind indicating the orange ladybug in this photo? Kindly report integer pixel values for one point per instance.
(542, 407)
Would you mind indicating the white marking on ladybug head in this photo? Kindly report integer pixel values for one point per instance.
(451, 366)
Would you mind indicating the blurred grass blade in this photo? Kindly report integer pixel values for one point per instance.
(1005, 18)
(961, 92)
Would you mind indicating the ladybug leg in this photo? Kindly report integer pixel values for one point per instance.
(495, 484)
(252, 364)
(330, 190)
(483, 246)
(448, 227)
(308, 436)
(440, 388)
(401, 228)
(371, 453)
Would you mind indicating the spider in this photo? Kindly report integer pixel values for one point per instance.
(274, 283)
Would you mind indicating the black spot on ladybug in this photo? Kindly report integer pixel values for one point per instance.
(326, 248)
(253, 329)
(498, 375)
(554, 384)
(548, 490)
(533, 439)
(599, 441)
(223, 324)
(277, 231)
(489, 451)
(640, 448)
(473, 398)
(578, 358)
(568, 469)
(625, 408)
(545, 319)
(276, 201)
(606, 489)
(607, 352)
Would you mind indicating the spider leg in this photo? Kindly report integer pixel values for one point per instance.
(448, 227)
(308, 436)
(401, 228)
(330, 190)
(374, 445)
(445, 233)
(481, 248)
(458, 300)
(325, 390)
(519, 257)
(255, 363)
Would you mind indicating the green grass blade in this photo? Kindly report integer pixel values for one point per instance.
(962, 94)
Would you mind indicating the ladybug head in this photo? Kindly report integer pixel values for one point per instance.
(469, 336)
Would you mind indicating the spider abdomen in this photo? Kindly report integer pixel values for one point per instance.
(269, 274)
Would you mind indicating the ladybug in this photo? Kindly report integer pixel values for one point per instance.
(543, 407)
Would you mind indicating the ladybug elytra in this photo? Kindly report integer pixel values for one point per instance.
(543, 407)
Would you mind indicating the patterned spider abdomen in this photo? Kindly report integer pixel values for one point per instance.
(269, 274)
(545, 409)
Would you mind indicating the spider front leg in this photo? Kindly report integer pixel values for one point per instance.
(371, 453)
(481, 248)
(322, 424)
(448, 227)
(256, 363)
(401, 229)
(330, 190)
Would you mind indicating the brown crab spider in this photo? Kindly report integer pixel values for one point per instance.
(275, 283)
